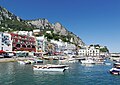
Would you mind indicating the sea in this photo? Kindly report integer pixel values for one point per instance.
(12, 73)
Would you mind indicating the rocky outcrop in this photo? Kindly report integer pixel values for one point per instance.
(57, 29)
(5, 14)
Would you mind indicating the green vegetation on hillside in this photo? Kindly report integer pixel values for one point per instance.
(57, 37)
(102, 49)
(14, 25)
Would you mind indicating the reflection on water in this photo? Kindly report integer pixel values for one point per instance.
(47, 73)
(6, 73)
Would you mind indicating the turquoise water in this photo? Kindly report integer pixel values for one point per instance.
(15, 74)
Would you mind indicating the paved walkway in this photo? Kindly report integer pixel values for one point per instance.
(12, 59)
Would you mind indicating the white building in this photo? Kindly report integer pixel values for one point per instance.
(5, 42)
(27, 33)
(41, 42)
(59, 45)
(89, 51)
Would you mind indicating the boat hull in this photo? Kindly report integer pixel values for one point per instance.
(115, 71)
(49, 69)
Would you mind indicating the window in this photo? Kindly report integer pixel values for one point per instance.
(18, 45)
(24, 46)
(1, 48)
(28, 46)
(33, 46)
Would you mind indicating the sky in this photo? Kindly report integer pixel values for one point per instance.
(94, 21)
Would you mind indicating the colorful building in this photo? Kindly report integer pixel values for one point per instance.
(23, 43)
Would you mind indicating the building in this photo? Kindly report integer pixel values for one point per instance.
(23, 42)
(5, 42)
(41, 44)
(89, 51)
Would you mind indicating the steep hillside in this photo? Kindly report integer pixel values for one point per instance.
(57, 28)
(9, 22)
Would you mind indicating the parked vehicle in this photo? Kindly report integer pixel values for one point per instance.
(1, 56)
(8, 54)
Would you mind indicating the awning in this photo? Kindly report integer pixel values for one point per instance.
(1, 51)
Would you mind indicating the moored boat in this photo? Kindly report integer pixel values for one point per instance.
(116, 69)
(88, 61)
(50, 67)
(23, 62)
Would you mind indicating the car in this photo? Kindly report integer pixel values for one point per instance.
(1, 56)
(8, 54)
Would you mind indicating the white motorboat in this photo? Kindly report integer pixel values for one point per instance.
(88, 61)
(50, 67)
(99, 60)
(23, 62)
(115, 69)
(72, 60)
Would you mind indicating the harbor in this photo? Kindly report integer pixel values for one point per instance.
(48, 42)
(16, 74)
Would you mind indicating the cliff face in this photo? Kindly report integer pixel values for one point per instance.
(57, 29)
(10, 22)
(5, 14)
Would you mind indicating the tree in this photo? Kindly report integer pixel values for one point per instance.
(104, 49)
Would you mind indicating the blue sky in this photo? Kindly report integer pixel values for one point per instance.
(94, 21)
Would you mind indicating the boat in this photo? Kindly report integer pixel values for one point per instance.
(72, 60)
(116, 69)
(50, 67)
(38, 61)
(88, 61)
(116, 64)
(99, 60)
(23, 62)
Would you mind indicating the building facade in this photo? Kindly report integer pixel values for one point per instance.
(5, 42)
(41, 44)
(89, 51)
(23, 42)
